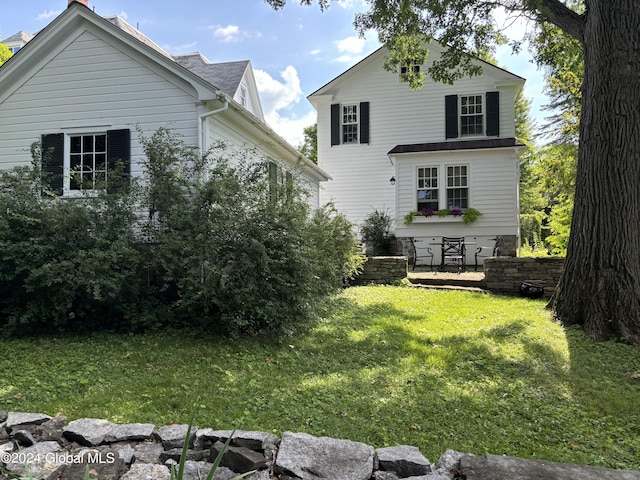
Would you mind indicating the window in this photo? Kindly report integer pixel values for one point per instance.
(243, 96)
(14, 50)
(83, 162)
(428, 188)
(471, 115)
(88, 162)
(455, 195)
(350, 124)
(457, 187)
(405, 68)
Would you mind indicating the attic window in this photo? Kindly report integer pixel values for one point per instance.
(415, 67)
(243, 96)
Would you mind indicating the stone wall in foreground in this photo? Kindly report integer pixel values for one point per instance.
(382, 270)
(40, 447)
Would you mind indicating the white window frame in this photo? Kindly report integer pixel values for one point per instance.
(349, 123)
(243, 96)
(470, 110)
(67, 167)
(425, 184)
(442, 185)
(456, 180)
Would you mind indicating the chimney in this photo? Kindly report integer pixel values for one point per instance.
(83, 2)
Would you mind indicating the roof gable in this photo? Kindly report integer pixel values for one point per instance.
(377, 58)
(77, 19)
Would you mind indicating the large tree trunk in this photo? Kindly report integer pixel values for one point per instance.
(600, 287)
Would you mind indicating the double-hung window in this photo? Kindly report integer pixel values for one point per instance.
(471, 115)
(84, 162)
(87, 162)
(349, 123)
(457, 187)
(454, 195)
(428, 188)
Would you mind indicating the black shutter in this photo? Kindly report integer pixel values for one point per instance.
(118, 160)
(53, 162)
(335, 124)
(451, 116)
(364, 122)
(273, 182)
(493, 114)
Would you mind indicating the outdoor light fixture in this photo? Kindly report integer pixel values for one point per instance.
(392, 180)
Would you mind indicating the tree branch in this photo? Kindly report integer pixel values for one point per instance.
(559, 14)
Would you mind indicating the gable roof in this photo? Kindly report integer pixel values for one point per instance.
(380, 52)
(137, 34)
(20, 37)
(226, 76)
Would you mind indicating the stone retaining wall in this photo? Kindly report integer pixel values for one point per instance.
(40, 447)
(506, 274)
(382, 270)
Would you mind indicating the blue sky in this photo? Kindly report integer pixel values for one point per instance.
(294, 51)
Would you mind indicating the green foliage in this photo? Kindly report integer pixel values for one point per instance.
(375, 233)
(5, 53)
(65, 264)
(242, 254)
(309, 146)
(208, 242)
(471, 372)
(468, 215)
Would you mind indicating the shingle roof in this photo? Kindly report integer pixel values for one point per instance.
(226, 76)
(456, 145)
(21, 36)
(135, 33)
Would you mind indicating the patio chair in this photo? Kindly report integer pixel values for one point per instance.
(453, 253)
(484, 252)
(421, 251)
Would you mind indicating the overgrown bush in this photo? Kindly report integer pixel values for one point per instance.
(245, 253)
(65, 264)
(216, 241)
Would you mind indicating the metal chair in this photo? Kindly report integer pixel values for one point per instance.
(484, 251)
(453, 253)
(421, 252)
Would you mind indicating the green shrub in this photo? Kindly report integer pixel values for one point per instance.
(375, 233)
(221, 241)
(66, 264)
(244, 253)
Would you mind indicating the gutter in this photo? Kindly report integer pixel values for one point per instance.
(225, 106)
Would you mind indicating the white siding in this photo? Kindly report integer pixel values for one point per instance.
(398, 116)
(91, 83)
(240, 136)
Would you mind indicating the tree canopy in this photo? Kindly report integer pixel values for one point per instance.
(5, 53)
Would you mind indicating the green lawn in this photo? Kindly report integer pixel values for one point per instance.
(385, 366)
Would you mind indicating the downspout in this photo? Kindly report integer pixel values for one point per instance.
(225, 105)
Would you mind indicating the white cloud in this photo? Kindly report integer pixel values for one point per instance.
(48, 14)
(185, 47)
(315, 52)
(276, 95)
(278, 98)
(123, 15)
(228, 34)
(350, 49)
(352, 4)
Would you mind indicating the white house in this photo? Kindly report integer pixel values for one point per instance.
(394, 149)
(85, 83)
